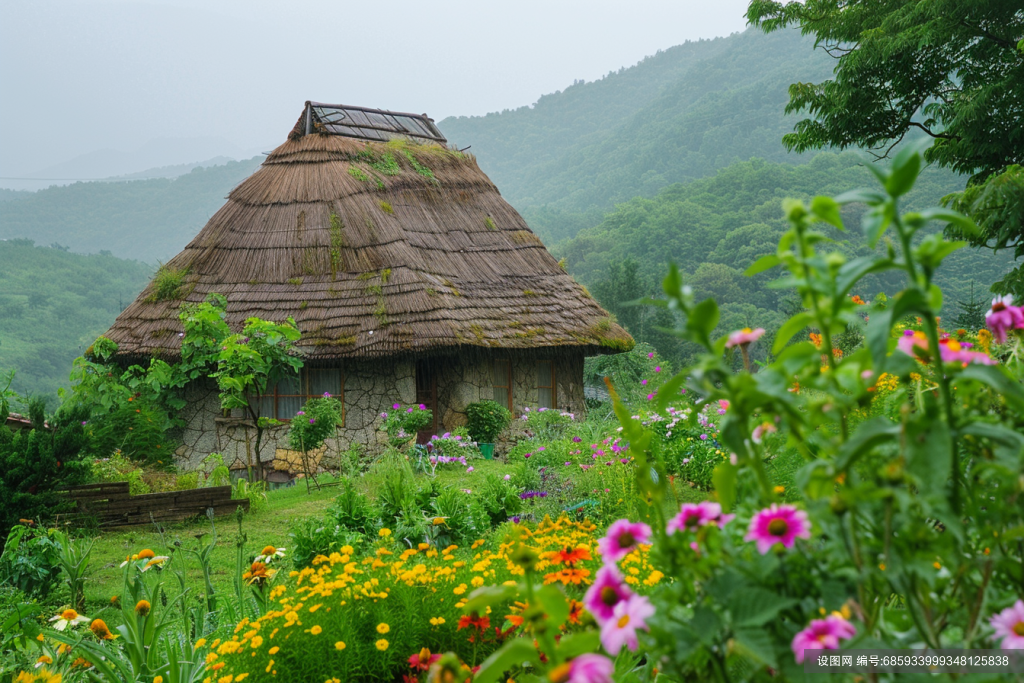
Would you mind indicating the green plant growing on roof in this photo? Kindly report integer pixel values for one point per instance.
(417, 166)
(386, 164)
(489, 223)
(334, 229)
(295, 281)
(386, 207)
(358, 174)
(169, 284)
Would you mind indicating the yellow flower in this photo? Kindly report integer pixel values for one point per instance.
(258, 640)
(225, 679)
(142, 608)
(158, 679)
(384, 533)
(436, 621)
(382, 644)
(780, 489)
(200, 643)
(274, 650)
(438, 521)
(316, 630)
(477, 581)
(383, 628)
(146, 554)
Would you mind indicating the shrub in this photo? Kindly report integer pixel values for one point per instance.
(30, 561)
(402, 422)
(499, 499)
(137, 430)
(486, 420)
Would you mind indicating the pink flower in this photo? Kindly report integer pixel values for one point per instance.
(953, 351)
(628, 617)
(396, 406)
(1009, 625)
(623, 537)
(694, 515)
(1003, 317)
(744, 337)
(650, 396)
(591, 668)
(651, 354)
(657, 368)
(527, 455)
(822, 634)
(469, 469)
(507, 477)
(778, 524)
(912, 340)
(327, 394)
(607, 591)
(423, 407)
(760, 430)
(643, 382)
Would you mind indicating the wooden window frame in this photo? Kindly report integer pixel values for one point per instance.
(553, 386)
(508, 388)
(304, 383)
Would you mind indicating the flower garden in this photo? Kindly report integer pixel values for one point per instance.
(726, 522)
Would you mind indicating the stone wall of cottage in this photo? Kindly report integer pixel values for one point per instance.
(370, 389)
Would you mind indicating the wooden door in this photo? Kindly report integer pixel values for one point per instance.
(426, 395)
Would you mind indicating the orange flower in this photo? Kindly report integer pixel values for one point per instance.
(142, 607)
(857, 300)
(575, 611)
(567, 576)
(258, 574)
(100, 630)
(571, 557)
(816, 339)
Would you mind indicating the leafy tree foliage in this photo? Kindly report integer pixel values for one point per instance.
(947, 69)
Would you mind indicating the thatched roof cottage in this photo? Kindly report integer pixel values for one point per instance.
(410, 277)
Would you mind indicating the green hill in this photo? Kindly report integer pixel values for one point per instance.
(149, 220)
(680, 115)
(714, 228)
(53, 304)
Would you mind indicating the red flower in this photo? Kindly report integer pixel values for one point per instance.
(571, 557)
(475, 621)
(422, 660)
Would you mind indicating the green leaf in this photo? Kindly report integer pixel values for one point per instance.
(579, 643)
(702, 320)
(997, 379)
(790, 328)
(869, 434)
(827, 209)
(851, 272)
(724, 480)
(756, 644)
(966, 226)
(874, 224)
(757, 606)
(514, 653)
(766, 262)
(490, 596)
(905, 168)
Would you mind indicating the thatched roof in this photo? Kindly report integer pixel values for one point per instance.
(376, 249)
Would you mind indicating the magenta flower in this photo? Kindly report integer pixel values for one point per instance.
(301, 412)
(423, 407)
(541, 449)
(744, 337)
(822, 634)
(1003, 317)
(591, 668)
(527, 455)
(953, 351)
(576, 439)
(778, 524)
(622, 538)
(507, 477)
(396, 406)
(1009, 625)
(628, 617)
(607, 591)
(312, 420)
(643, 382)
(651, 354)
(384, 415)
(657, 368)
(327, 394)
(650, 396)
(469, 469)
(408, 410)
(694, 515)
(703, 437)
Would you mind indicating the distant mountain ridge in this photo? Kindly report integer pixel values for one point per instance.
(149, 220)
(679, 115)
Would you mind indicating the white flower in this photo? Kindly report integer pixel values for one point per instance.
(156, 562)
(269, 553)
(69, 616)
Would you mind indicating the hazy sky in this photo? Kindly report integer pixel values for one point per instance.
(83, 75)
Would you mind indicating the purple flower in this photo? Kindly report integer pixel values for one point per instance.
(607, 591)
(778, 524)
(469, 469)
(622, 538)
(650, 396)
(327, 394)
(384, 415)
(527, 455)
(422, 407)
(576, 439)
(1003, 317)
(540, 449)
(396, 406)
(591, 668)
(643, 382)
(703, 437)
(409, 410)
(657, 368)
(651, 354)
(515, 519)
(507, 477)
(300, 413)
(624, 460)
(312, 420)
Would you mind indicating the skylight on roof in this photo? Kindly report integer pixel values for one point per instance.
(369, 124)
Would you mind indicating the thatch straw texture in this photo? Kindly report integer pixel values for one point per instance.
(375, 249)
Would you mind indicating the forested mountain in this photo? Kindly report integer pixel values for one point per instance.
(53, 304)
(150, 220)
(716, 227)
(679, 115)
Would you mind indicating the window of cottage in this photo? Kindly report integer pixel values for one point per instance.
(546, 384)
(283, 400)
(503, 383)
